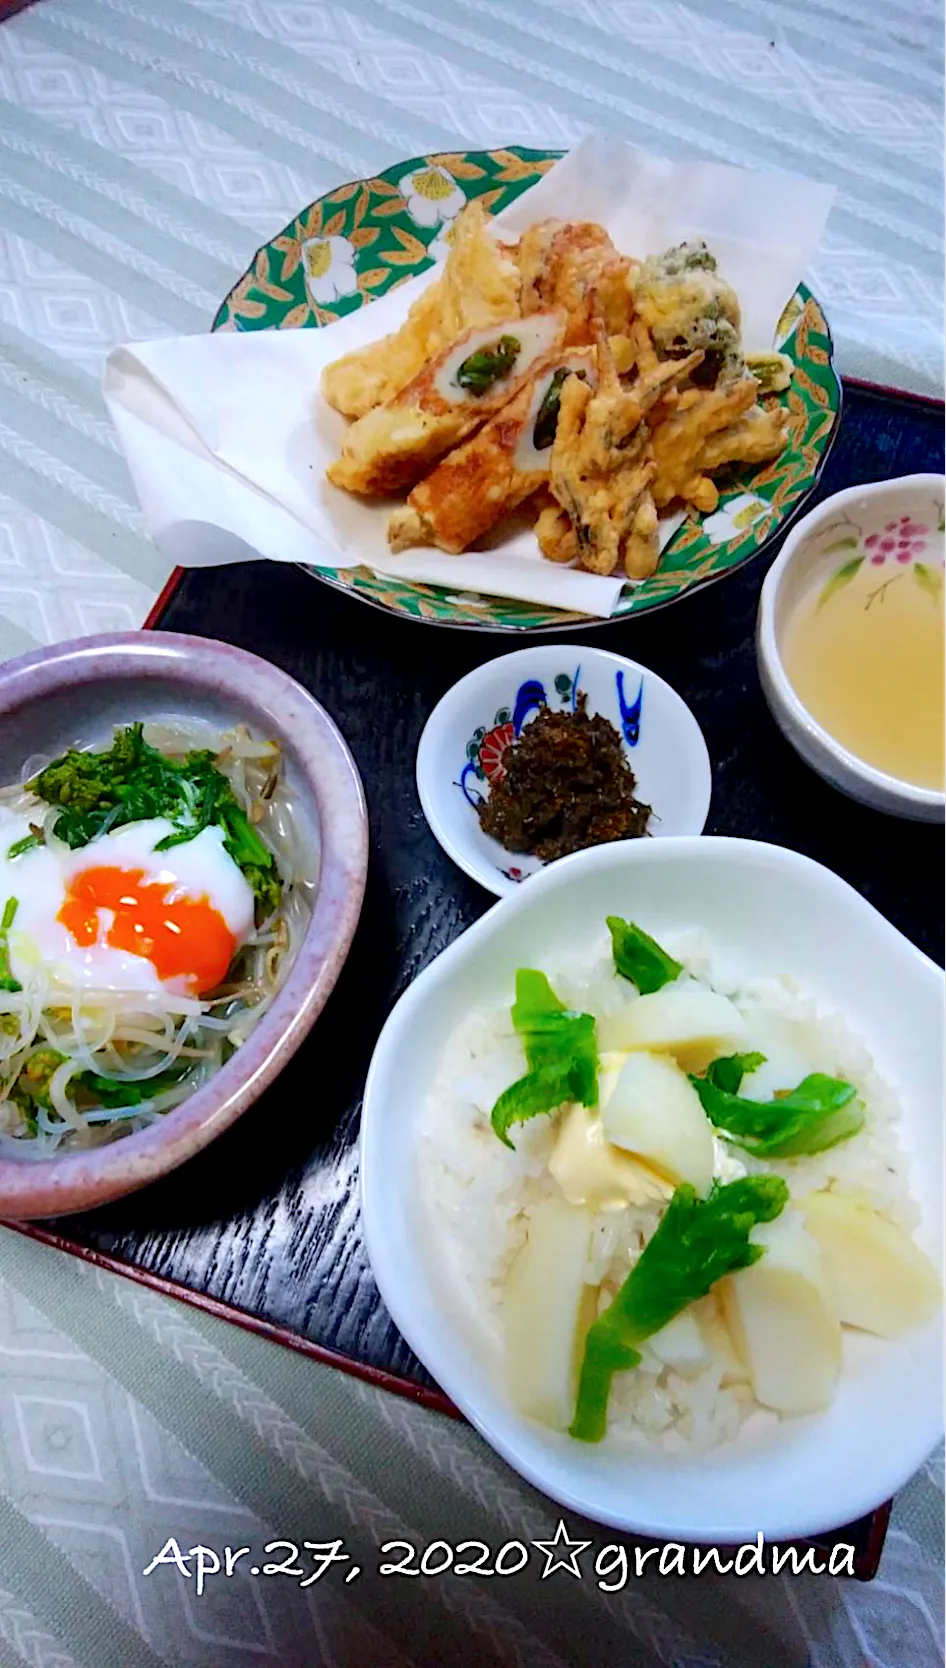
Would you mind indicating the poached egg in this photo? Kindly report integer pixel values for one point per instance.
(118, 915)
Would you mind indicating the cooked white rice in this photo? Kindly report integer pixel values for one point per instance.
(479, 1194)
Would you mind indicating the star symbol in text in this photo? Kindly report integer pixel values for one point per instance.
(561, 1553)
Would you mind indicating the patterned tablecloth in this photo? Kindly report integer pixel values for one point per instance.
(131, 1425)
(147, 147)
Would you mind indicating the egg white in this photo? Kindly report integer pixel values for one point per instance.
(39, 880)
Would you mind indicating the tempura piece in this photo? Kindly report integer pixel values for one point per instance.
(686, 304)
(773, 371)
(680, 437)
(576, 266)
(479, 286)
(757, 436)
(601, 467)
(601, 474)
(558, 540)
(392, 446)
(557, 537)
(636, 350)
(493, 472)
(641, 545)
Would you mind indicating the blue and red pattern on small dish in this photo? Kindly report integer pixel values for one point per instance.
(486, 748)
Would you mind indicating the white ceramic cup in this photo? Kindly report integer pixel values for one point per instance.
(811, 548)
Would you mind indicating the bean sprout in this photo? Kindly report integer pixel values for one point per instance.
(71, 1062)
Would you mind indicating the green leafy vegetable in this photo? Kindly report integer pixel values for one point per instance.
(132, 781)
(7, 981)
(105, 1091)
(535, 1000)
(539, 1091)
(818, 1114)
(32, 1084)
(561, 1051)
(31, 1089)
(728, 1072)
(480, 370)
(638, 957)
(697, 1242)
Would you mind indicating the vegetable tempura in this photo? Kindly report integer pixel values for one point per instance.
(562, 375)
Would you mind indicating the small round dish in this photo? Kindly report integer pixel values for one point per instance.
(859, 526)
(76, 694)
(461, 750)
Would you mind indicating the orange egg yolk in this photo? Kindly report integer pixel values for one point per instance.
(181, 937)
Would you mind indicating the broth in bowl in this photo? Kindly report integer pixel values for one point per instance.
(864, 651)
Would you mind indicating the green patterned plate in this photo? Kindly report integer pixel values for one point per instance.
(360, 240)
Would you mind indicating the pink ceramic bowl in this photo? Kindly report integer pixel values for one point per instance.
(76, 693)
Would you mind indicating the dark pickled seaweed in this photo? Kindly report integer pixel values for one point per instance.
(567, 785)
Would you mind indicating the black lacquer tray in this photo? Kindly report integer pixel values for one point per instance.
(265, 1222)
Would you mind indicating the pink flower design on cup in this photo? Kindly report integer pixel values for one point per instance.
(900, 541)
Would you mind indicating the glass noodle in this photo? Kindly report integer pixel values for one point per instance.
(130, 1040)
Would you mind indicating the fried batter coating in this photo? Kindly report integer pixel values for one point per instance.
(557, 537)
(602, 467)
(757, 436)
(392, 446)
(641, 549)
(492, 473)
(685, 304)
(479, 286)
(680, 435)
(454, 407)
(574, 265)
(558, 540)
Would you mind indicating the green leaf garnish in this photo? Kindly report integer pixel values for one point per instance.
(535, 999)
(132, 781)
(816, 1115)
(638, 957)
(728, 1072)
(539, 1091)
(697, 1242)
(561, 1051)
(487, 365)
(7, 981)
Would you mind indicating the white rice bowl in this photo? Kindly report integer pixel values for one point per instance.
(479, 1194)
(443, 1202)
